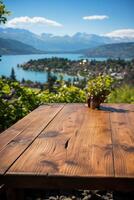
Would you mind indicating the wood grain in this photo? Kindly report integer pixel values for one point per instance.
(41, 118)
(123, 141)
(20, 126)
(16, 129)
(76, 143)
(71, 146)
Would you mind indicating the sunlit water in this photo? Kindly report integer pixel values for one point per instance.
(8, 62)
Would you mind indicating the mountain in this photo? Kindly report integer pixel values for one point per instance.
(26, 36)
(66, 43)
(50, 42)
(10, 47)
(118, 50)
(71, 43)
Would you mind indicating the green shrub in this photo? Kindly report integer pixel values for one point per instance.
(100, 86)
(64, 94)
(17, 101)
(124, 94)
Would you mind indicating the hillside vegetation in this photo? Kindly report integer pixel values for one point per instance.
(16, 101)
(119, 50)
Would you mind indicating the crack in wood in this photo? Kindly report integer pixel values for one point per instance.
(66, 143)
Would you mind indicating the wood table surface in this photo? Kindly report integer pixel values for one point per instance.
(70, 146)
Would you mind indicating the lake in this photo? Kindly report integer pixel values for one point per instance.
(8, 62)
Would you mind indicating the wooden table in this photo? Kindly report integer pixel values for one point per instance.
(70, 146)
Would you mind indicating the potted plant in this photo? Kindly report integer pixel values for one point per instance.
(98, 89)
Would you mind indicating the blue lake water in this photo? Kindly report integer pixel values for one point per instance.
(8, 62)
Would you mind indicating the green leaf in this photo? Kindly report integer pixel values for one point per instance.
(6, 89)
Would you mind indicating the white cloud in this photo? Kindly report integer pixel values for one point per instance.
(121, 33)
(20, 22)
(95, 17)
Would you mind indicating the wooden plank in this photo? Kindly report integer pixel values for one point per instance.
(17, 128)
(17, 146)
(76, 143)
(123, 139)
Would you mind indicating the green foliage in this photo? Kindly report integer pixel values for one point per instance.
(100, 86)
(64, 94)
(47, 64)
(3, 13)
(124, 94)
(72, 94)
(16, 101)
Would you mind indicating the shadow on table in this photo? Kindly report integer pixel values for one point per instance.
(112, 109)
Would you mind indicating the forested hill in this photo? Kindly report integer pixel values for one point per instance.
(120, 50)
(13, 47)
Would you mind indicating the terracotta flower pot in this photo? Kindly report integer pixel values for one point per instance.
(93, 102)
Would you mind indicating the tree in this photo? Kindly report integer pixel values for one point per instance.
(23, 80)
(51, 80)
(13, 76)
(3, 13)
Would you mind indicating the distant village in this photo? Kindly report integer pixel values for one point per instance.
(122, 70)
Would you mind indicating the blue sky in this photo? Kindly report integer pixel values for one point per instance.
(61, 17)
